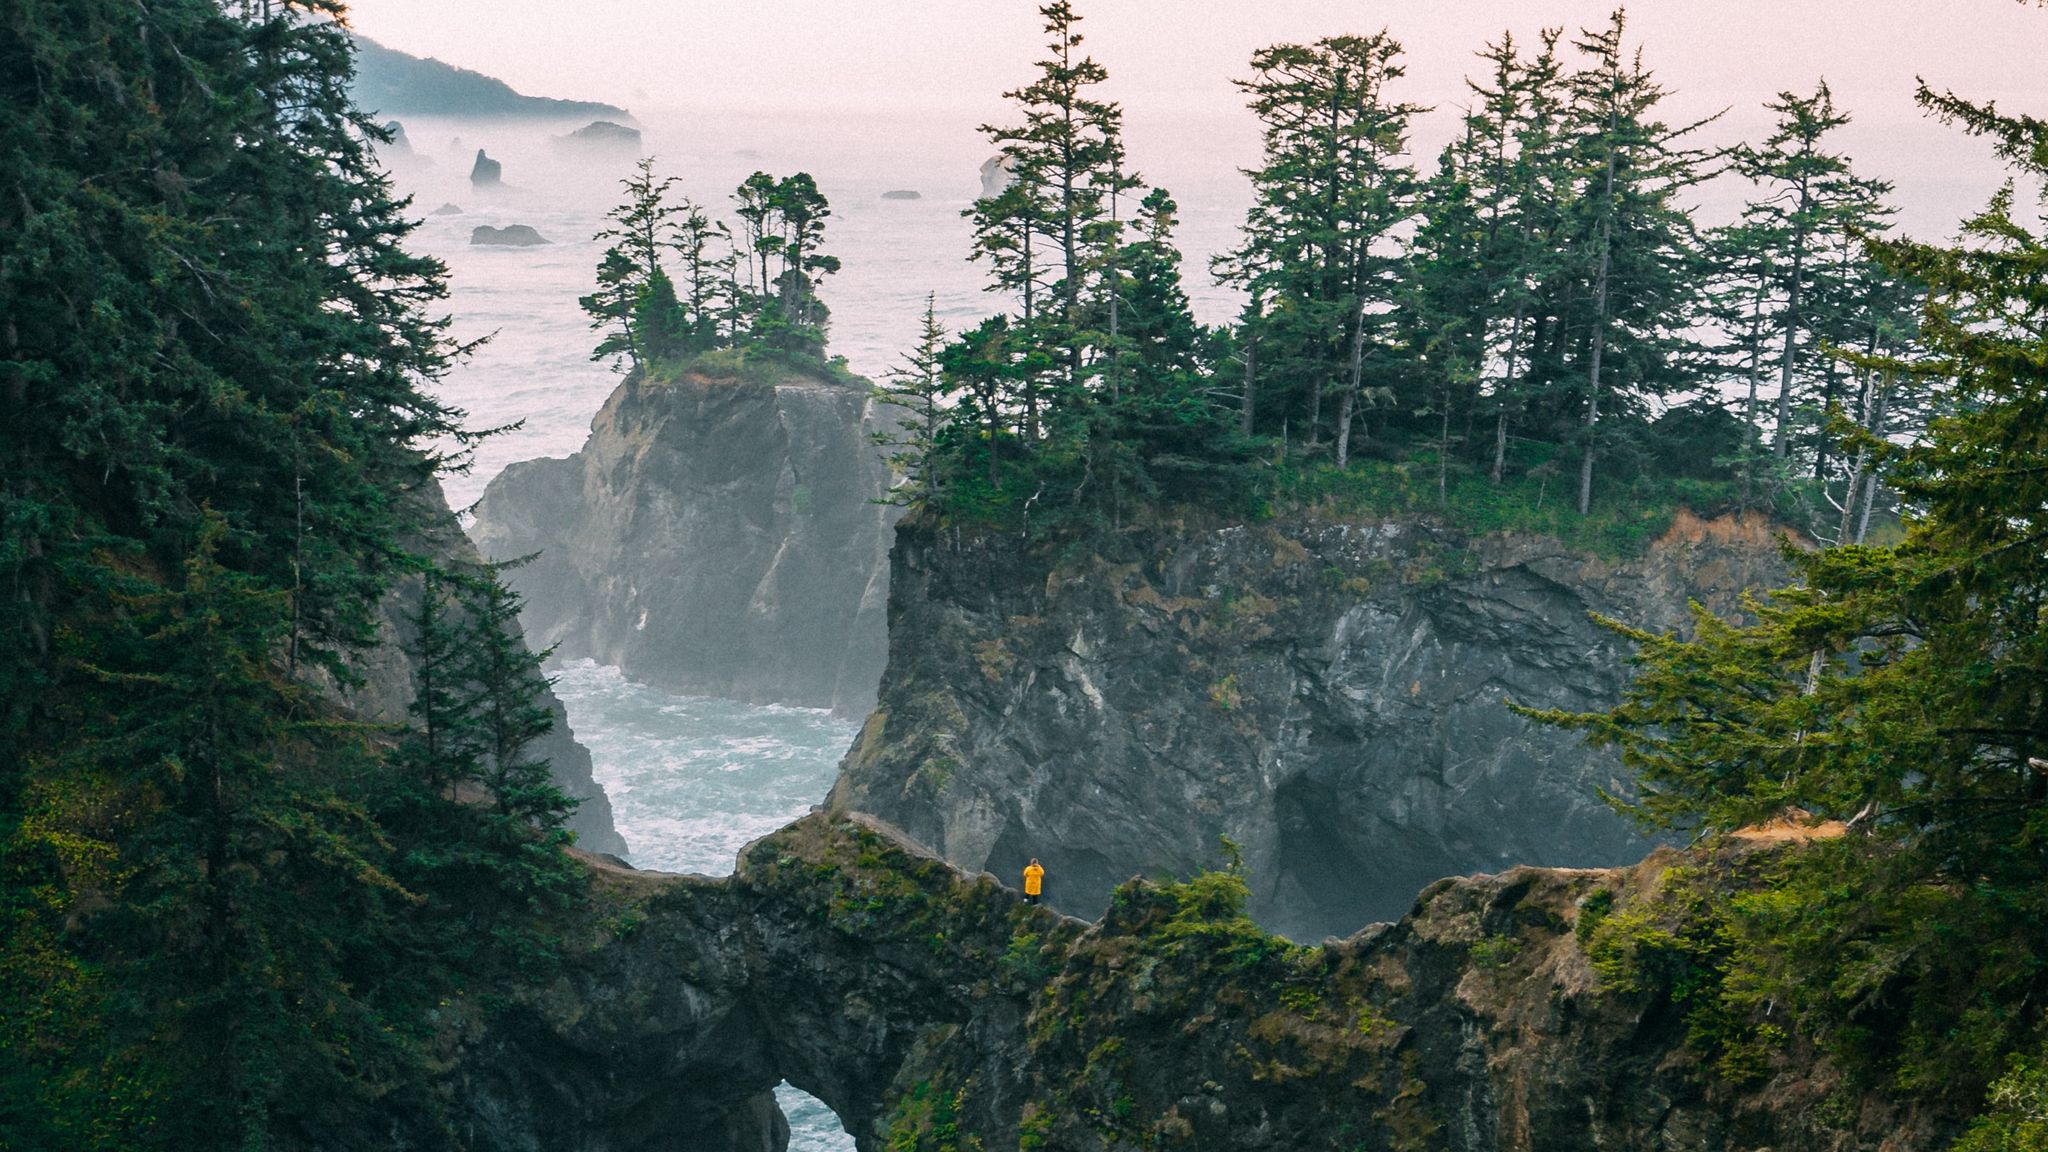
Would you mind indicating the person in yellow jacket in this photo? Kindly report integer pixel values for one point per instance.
(1034, 881)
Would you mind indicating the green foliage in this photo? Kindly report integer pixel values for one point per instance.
(666, 294)
(927, 1119)
(1535, 501)
(1496, 952)
(2017, 1117)
(921, 392)
(1536, 305)
(229, 914)
(1898, 692)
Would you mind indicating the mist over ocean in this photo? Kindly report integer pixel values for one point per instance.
(536, 366)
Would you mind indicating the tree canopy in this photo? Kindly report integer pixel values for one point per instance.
(229, 908)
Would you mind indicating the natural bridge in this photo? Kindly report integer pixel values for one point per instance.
(932, 1010)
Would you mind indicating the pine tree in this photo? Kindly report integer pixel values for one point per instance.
(504, 683)
(221, 361)
(1067, 165)
(1810, 204)
(1899, 691)
(1329, 195)
(1638, 257)
(1448, 297)
(1520, 185)
(921, 393)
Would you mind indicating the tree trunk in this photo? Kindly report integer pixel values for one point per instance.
(1749, 435)
(1869, 480)
(1030, 313)
(1792, 299)
(1507, 384)
(1599, 337)
(1247, 407)
(1350, 397)
(1443, 454)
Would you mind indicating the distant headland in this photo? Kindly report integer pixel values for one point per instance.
(398, 84)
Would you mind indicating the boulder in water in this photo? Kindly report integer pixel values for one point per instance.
(511, 236)
(447, 210)
(902, 194)
(486, 172)
(398, 144)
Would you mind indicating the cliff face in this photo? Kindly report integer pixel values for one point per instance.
(1330, 695)
(387, 687)
(931, 1010)
(714, 536)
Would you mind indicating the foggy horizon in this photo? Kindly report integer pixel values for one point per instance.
(942, 68)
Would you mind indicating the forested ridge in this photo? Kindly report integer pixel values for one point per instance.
(232, 914)
(1533, 328)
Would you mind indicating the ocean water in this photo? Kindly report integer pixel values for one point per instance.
(693, 779)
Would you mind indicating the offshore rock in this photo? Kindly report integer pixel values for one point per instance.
(486, 172)
(601, 137)
(997, 173)
(1330, 694)
(510, 236)
(719, 534)
(931, 1009)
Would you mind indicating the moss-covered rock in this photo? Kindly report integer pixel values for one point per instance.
(935, 1011)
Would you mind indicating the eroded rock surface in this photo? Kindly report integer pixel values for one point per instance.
(1329, 694)
(716, 536)
(931, 1009)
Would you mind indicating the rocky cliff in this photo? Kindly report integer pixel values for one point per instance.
(716, 535)
(933, 1011)
(387, 687)
(1329, 694)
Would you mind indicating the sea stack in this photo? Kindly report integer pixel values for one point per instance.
(995, 175)
(486, 172)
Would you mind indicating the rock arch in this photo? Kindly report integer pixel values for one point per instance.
(932, 1010)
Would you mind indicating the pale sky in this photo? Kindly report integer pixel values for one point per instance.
(951, 59)
(797, 53)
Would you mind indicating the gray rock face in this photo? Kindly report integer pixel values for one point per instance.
(510, 236)
(715, 536)
(486, 172)
(930, 1009)
(1330, 695)
(387, 687)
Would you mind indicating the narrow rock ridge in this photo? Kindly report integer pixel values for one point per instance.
(716, 536)
(930, 1008)
(1330, 694)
